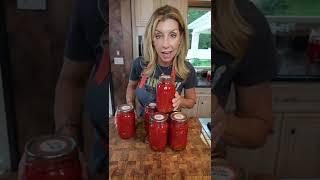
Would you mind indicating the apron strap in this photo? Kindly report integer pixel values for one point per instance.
(144, 77)
(173, 74)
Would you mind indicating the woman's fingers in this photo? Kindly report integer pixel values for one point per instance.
(84, 167)
(21, 168)
(176, 101)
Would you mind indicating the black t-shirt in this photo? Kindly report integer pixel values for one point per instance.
(259, 62)
(138, 66)
(147, 93)
(88, 23)
(87, 36)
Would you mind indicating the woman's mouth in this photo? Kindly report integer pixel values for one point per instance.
(166, 54)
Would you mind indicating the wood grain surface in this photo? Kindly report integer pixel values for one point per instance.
(133, 158)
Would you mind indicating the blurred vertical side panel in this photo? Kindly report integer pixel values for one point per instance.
(8, 147)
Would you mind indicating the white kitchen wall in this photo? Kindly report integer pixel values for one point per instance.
(4, 142)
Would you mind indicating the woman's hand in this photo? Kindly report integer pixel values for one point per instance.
(84, 167)
(176, 101)
(22, 167)
(219, 122)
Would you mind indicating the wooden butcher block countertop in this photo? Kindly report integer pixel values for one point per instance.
(133, 157)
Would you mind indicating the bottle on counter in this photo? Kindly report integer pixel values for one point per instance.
(150, 109)
(166, 90)
(52, 158)
(178, 131)
(158, 131)
(125, 120)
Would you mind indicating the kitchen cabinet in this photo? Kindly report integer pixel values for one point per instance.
(142, 10)
(292, 150)
(261, 160)
(204, 105)
(202, 108)
(300, 146)
(193, 112)
(296, 97)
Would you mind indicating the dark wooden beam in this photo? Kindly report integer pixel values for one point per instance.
(199, 3)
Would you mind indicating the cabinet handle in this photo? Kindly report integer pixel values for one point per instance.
(290, 99)
(140, 45)
(293, 131)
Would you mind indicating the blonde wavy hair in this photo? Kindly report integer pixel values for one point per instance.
(149, 53)
(230, 31)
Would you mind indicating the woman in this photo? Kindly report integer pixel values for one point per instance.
(165, 50)
(244, 56)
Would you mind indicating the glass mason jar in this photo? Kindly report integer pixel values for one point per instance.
(158, 131)
(166, 90)
(178, 130)
(125, 120)
(148, 111)
(52, 158)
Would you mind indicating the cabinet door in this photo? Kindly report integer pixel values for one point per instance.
(193, 112)
(300, 146)
(296, 97)
(204, 106)
(142, 11)
(261, 160)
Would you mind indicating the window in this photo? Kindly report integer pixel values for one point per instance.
(289, 7)
(199, 25)
(295, 25)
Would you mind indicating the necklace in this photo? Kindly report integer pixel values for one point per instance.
(162, 73)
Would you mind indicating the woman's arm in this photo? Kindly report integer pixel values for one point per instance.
(69, 97)
(131, 95)
(250, 125)
(186, 101)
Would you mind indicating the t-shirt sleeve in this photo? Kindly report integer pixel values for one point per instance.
(191, 81)
(77, 47)
(223, 75)
(136, 69)
(259, 63)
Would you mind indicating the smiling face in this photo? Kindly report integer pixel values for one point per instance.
(166, 41)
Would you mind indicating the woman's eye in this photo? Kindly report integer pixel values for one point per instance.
(173, 35)
(157, 36)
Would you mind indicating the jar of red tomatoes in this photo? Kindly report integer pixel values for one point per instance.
(178, 131)
(125, 120)
(158, 131)
(148, 111)
(169, 121)
(52, 158)
(166, 90)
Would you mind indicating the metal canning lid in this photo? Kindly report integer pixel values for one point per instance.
(159, 117)
(165, 77)
(125, 107)
(178, 116)
(152, 105)
(50, 147)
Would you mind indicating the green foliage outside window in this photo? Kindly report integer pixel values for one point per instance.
(204, 39)
(289, 7)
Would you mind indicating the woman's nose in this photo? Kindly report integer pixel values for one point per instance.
(166, 42)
